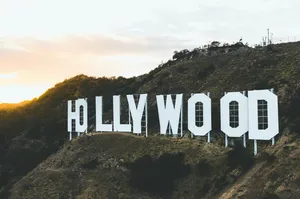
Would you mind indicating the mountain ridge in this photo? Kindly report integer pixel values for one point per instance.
(33, 132)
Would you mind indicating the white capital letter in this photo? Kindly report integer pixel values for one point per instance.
(234, 114)
(99, 119)
(168, 114)
(137, 111)
(80, 113)
(263, 115)
(206, 108)
(117, 115)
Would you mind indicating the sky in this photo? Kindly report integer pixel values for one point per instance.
(43, 42)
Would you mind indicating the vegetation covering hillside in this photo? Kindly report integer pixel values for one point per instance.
(31, 133)
(13, 105)
(125, 166)
(156, 167)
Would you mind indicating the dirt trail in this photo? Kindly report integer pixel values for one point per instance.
(229, 191)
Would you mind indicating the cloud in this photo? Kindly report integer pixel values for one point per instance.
(100, 45)
(135, 36)
(43, 61)
(228, 21)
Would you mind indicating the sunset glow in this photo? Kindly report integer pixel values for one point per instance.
(19, 93)
(44, 42)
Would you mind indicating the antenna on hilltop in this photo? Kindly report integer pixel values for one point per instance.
(271, 40)
(264, 41)
(268, 36)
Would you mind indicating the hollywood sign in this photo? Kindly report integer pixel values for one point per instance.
(256, 113)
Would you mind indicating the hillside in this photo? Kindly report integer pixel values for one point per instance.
(104, 171)
(29, 134)
(13, 105)
(124, 166)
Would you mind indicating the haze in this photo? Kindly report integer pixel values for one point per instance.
(44, 42)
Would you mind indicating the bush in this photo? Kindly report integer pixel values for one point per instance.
(157, 176)
(240, 157)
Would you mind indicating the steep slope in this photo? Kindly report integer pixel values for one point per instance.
(31, 133)
(112, 165)
(277, 176)
(235, 188)
(121, 166)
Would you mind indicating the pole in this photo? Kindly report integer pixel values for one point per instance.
(129, 118)
(226, 137)
(86, 130)
(255, 147)
(181, 125)
(244, 136)
(271, 38)
(101, 112)
(268, 37)
(273, 139)
(192, 135)
(208, 134)
(146, 112)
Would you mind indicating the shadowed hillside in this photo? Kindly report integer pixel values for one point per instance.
(29, 134)
(125, 166)
(120, 165)
(13, 105)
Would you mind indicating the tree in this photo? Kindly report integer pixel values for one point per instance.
(215, 44)
(181, 54)
(175, 54)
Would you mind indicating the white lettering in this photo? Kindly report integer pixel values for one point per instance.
(118, 127)
(137, 111)
(263, 115)
(80, 106)
(99, 116)
(206, 108)
(234, 114)
(168, 114)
